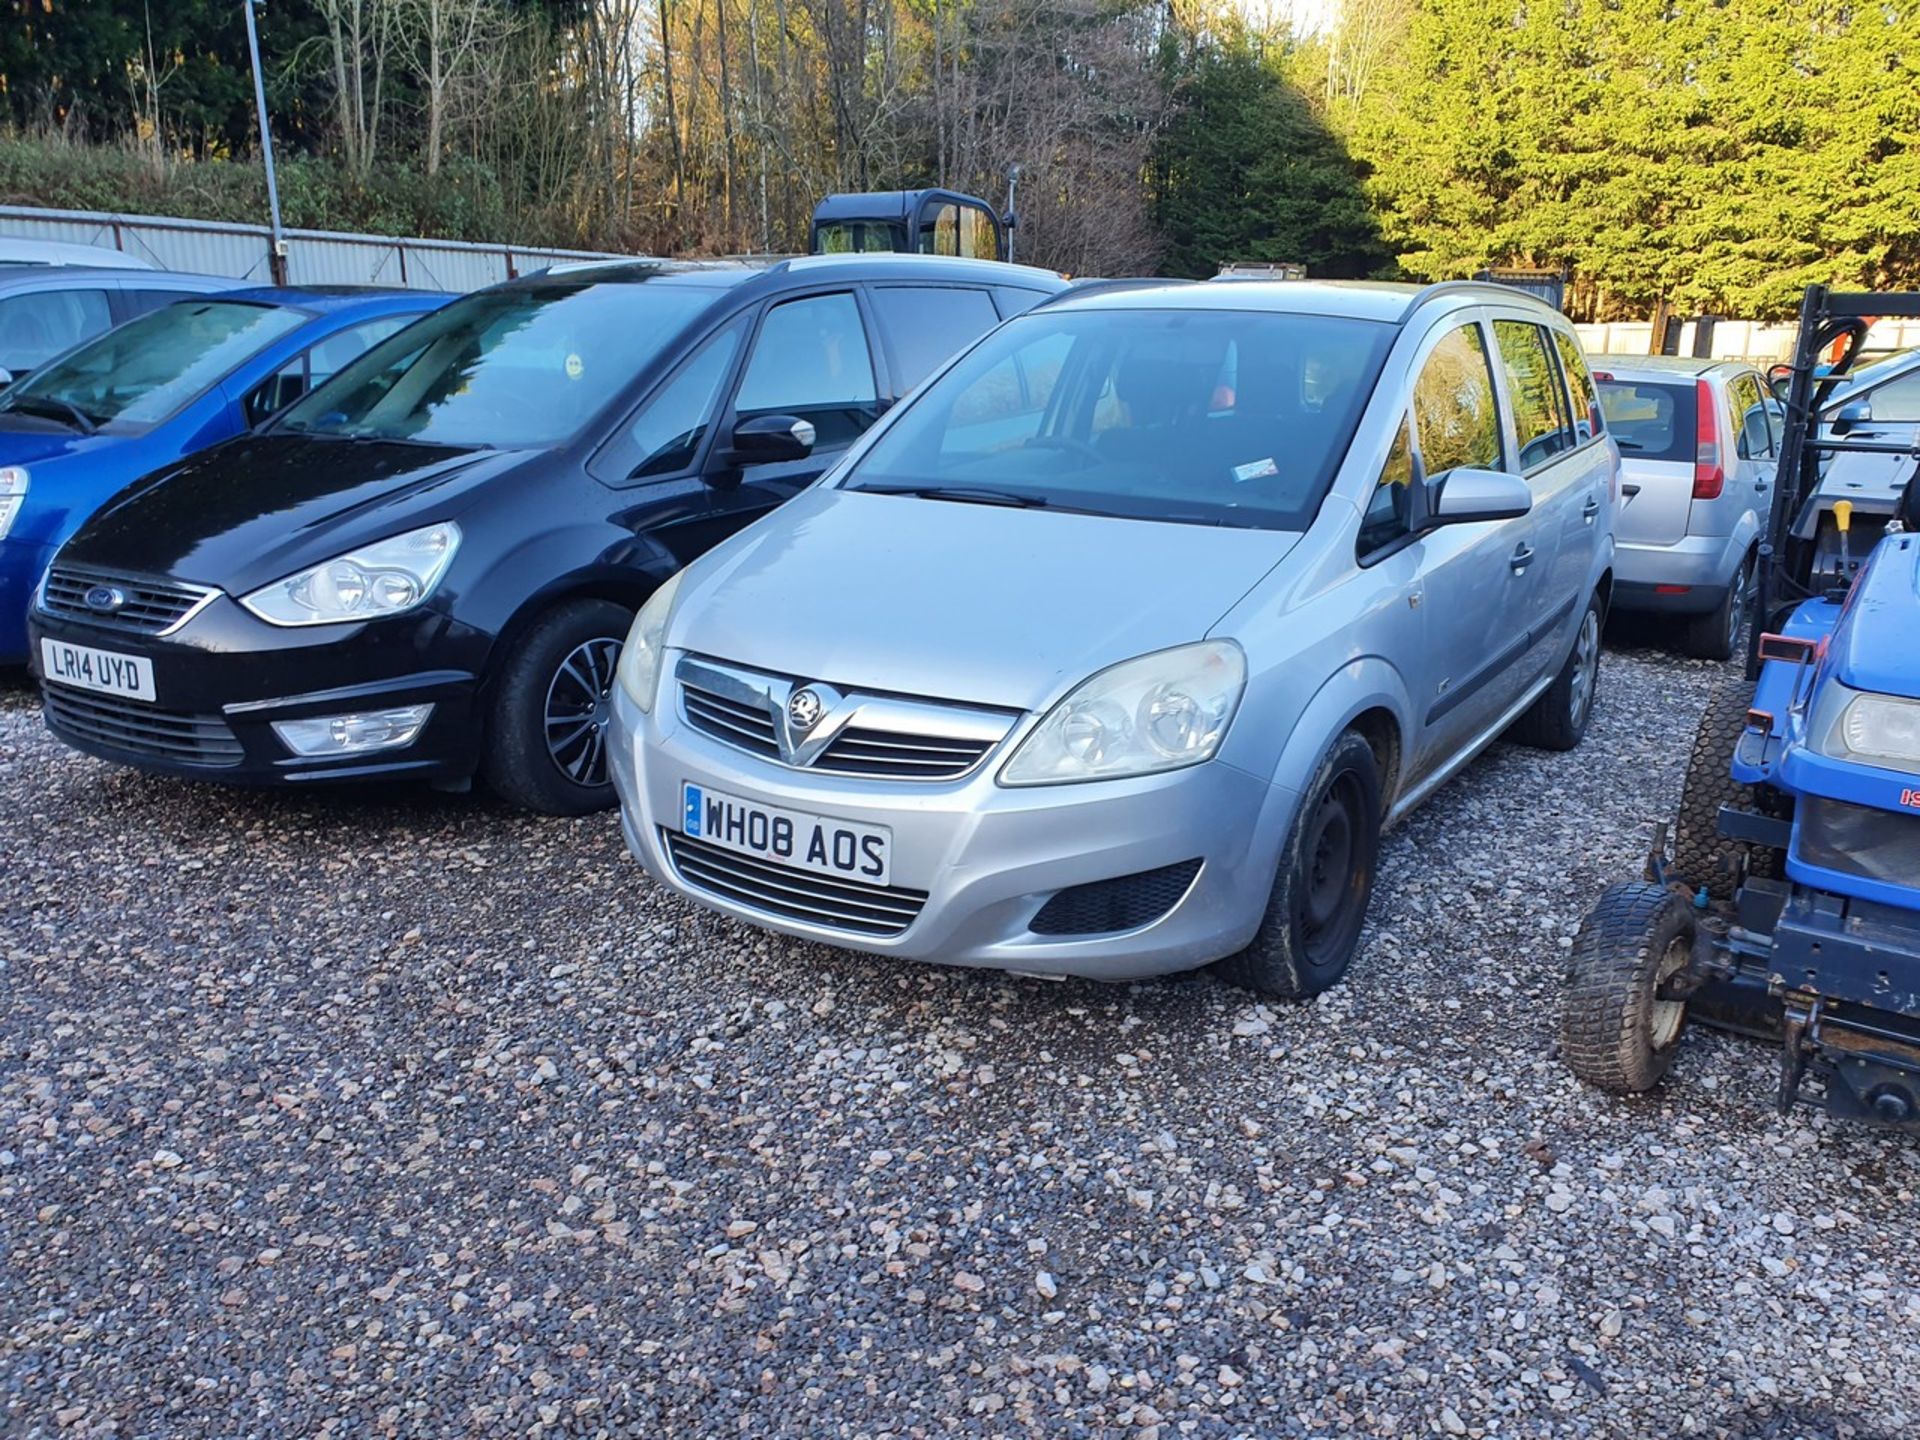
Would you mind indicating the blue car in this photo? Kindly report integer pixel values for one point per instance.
(171, 382)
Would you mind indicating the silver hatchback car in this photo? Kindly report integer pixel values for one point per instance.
(1112, 651)
(1699, 442)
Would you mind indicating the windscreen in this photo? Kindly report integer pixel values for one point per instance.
(1207, 417)
(510, 368)
(139, 374)
(1650, 420)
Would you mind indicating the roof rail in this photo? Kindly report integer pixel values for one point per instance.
(1485, 289)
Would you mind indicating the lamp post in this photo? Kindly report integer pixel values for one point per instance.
(277, 260)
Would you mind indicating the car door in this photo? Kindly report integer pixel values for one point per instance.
(1468, 581)
(1567, 483)
(1894, 418)
(1756, 451)
(924, 326)
(811, 357)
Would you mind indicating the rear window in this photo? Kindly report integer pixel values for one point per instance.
(1650, 420)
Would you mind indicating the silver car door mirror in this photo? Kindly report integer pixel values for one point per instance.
(1852, 415)
(1469, 494)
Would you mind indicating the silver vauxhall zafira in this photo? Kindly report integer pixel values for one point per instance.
(1113, 650)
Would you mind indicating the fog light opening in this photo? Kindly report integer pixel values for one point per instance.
(357, 733)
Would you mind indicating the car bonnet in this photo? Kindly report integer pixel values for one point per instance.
(975, 603)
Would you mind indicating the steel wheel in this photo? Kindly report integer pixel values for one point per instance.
(1334, 879)
(579, 709)
(1586, 669)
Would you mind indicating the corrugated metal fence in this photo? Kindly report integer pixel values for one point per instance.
(314, 257)
(1750, 340)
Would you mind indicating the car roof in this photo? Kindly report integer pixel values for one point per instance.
(18, 250)
(82, 277)
(1660, 366)
(325, 299)
(728, 274)
(1388, 302)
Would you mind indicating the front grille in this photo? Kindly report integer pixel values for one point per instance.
(1858, 840)
(859, 751)
(882, 737)
(792, 894)
(151, 607)
(1105, 906)
(137, 729)
(738, 722)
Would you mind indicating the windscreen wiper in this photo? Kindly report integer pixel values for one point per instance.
(963, 494)
(51, 407)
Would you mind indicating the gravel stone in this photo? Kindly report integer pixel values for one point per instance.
(382, 1112)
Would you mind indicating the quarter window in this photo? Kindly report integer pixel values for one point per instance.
(667, 432)
(811, 361)
(1541, 425)
(1389, 514)
(1453, 411)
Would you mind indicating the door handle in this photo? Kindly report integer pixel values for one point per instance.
(1590, 509)
(1521, 558)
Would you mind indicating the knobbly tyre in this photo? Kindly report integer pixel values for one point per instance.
(1788, 903)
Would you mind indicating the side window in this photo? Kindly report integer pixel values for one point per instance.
(811, 360)
(1586, 404)
(1897, 400)
(927, 326)
(1756, 439)
(1389, 513)
(135, 301)
(940, 231)
(1453, 410)
(1541, 425)
(665, 436)
(1014, 301)
(318, 365)
(39, 325)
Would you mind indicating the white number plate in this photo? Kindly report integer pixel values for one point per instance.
(840, 848)
(91, 669)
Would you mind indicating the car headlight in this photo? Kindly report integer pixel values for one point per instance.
(640, 658)
(1882, 730)
(1158, 712)
(13, 494)
(385, 578)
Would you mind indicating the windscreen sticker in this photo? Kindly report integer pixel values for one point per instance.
(574, 367)
(1255, 470)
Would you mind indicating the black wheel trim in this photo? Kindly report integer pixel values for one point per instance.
(1335, 874)
(578, 710)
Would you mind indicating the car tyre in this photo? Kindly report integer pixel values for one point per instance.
(1616, 1031)
(1311, 928)
(1558, 719)
(1702, 856)
(547, 731)
(1716, 635)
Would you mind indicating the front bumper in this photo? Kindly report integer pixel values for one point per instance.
(988, 857)
(223, 679)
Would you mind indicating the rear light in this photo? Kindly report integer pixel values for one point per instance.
(1603, 375)
(1673, 589)
(1709, 479)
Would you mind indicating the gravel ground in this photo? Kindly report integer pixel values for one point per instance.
(380, 1113)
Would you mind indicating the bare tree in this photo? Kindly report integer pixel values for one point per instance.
(362, 35)
(444, 39)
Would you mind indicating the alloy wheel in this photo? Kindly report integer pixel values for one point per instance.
(579, 709)
(1586, 669)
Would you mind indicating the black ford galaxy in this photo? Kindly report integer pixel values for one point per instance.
(426, 568)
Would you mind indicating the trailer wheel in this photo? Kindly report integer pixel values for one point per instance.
(1701, 854)
(1616, 1032)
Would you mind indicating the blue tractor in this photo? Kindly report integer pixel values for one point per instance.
(1785, 899)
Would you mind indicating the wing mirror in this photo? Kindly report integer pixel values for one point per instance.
(768, 438)
(1852, 415)
(1460, 497)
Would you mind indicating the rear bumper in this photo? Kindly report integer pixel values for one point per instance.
(1705, 564)
(222, 680)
